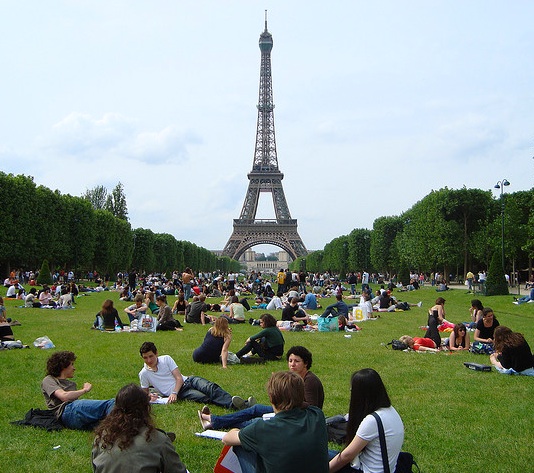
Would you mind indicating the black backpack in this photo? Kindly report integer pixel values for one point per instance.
(398, 345)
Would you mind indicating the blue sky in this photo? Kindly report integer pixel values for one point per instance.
(377, 103)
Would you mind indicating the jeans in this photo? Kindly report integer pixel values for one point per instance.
(187, 291)
(247, 460)
(240, 419)
(85, 414)
(201, 390)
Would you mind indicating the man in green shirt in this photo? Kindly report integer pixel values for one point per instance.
(295, 440)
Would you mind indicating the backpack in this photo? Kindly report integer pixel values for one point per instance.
(398, 345)
(336, 426)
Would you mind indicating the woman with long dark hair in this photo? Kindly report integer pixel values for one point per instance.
(512, 353)
(362, 451)
(127, 440)
(108, 317)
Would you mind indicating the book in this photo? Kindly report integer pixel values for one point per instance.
(211, 434)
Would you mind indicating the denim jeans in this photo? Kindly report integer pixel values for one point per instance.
(247, 460)
(85, 414)
(187, 291)
(201, 390)
(240, 419)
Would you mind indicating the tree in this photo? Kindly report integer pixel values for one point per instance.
(116, 202)
(496, 284)
(44, 276)
(359, 249)
(97, 196)
(383, 249)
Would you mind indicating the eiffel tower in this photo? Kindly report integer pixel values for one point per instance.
(265, 177)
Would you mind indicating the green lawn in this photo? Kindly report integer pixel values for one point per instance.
(455, 418)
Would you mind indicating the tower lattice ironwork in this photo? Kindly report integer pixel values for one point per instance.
(265, 177)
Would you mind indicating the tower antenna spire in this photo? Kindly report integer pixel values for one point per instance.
(265, 20)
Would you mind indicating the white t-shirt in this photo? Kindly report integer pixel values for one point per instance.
(370, 459)
(162, 379)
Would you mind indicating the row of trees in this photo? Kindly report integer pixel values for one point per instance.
(74, 233)
(449, 231)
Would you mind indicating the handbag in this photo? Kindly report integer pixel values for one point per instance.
(325, 324)
(405, 460)
(232, 359)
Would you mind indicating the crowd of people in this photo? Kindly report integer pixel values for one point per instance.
(261, 435)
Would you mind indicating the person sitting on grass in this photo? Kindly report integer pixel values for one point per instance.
(269, 446)
(337, 308)
(293, 313)
(215, 345)
(484, 331)
(137, 310)
(163, 374)
(512, 353)
(419, 344)
(299, 360)
(237, 312)
(108, 317)
(268, 343)
(63, 397)
(166, 321)
(363, 452)
(127, 439)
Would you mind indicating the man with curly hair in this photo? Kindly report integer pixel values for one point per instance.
(63, 397)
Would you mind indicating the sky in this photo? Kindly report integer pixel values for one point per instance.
(376, 104)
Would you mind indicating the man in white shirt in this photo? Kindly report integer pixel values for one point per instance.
(163, 374)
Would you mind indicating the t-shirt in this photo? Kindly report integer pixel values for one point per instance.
(313, 390)
(289, 312)
(293, 441)
(370, 458)
(162, 379)
(423, 342)
(49, 386)
(239, 311)
(518, 358)
(486, 332)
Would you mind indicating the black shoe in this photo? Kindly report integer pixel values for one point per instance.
(251, 321)
(172, 436)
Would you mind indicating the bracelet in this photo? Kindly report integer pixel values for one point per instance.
(175, 392)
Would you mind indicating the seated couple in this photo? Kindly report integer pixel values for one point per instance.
(299, 361)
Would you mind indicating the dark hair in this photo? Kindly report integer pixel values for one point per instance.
(107, 307)
(486, 311)
(504, 337)
(146, 347)
(477, 304)
(58, 361)
(456, 329)
(234, 299)
(268, 320)
(368, 394)
(301, 352)
(129, 416)
(440, 301)
(162, 298)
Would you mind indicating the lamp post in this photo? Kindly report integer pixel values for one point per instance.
(501, 185)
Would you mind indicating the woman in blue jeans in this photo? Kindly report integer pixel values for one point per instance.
(62, 395)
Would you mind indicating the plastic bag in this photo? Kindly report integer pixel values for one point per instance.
(44, 343)
(326, 324)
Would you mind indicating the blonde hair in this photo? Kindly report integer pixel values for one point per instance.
(407, 340)
(221, 328)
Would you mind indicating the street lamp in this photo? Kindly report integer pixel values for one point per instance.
(501, 185)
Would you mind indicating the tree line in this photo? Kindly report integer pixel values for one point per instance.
(71, 233)
(452, 231)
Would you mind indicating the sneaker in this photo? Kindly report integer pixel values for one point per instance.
(516, 303)
(172, 436)
(238, 402)
(251, 321)
(251, 401)
(530, 301)
(420, 304)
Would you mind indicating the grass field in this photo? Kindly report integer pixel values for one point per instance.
(455, 419)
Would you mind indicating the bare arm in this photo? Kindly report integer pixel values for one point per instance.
(67, 396)
(179, 383)
(231, 438)
(224, 351)
(483, 340)
(348, 454)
